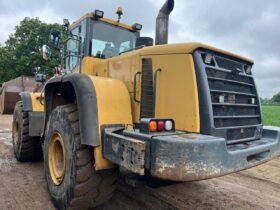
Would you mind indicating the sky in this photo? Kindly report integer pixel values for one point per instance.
(247, 27)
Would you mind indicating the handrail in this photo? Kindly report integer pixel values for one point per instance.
(155, 87)
(134, 87)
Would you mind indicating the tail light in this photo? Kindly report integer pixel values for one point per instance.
(153, 126)
(160, 126)
(148, 125)
(168, 125)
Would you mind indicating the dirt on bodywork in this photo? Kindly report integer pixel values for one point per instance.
(23, 186)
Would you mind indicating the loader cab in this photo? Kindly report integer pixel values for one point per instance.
(100, 38)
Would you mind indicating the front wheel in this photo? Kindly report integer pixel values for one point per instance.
(72, 180)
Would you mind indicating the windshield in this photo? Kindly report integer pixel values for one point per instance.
(109, 40)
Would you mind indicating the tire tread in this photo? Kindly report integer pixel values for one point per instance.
(91, 188)
(28, 146)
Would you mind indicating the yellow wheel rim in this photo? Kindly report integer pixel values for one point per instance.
(56, 154)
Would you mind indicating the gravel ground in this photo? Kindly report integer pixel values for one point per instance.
(23, 186)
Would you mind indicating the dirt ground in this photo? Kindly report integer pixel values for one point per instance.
(22, 186)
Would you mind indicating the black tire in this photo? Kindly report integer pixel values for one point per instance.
(26, 148)
(81, 186)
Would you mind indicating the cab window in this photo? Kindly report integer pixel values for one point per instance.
(76, 48)
(109, 40)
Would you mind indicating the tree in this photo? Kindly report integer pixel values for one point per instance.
(276, 98)
(266, 101)
(22, 51)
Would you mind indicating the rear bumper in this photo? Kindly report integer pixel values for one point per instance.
(190, 157)
(182, 159)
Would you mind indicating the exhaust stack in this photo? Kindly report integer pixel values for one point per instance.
(163, 21)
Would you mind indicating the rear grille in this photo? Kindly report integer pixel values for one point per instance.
(228, 64)
(233, 91)
(234, 105)
(224, 74)
(245, 133)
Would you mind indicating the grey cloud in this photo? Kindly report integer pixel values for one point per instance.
(246, 27)
(143, 12)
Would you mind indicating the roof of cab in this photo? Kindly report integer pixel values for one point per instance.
(106, 20)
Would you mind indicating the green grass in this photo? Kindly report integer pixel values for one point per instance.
(271, 115)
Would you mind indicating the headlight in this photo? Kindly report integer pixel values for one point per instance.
(98, 14)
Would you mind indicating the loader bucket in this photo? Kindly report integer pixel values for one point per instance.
(9, 92)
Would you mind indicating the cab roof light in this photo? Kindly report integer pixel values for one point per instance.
(98, 14)
(119, 13)
(152, 125)
(137, 27)
(66, 22)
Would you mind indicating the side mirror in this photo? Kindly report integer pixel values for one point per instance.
(144, 41)
(40, 78)
(46, 52)
(54, 39)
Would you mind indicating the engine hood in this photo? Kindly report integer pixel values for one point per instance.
(184, 48)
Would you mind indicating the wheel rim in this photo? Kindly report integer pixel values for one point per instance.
(56, 154)
(15, 133)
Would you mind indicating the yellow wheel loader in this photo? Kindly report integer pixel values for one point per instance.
(177, 112)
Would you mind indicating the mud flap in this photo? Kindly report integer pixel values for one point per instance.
(36, 120)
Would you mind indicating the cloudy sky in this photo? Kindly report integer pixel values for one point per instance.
(247, 27)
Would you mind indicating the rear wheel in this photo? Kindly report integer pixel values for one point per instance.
(26, 148)
(72, 180)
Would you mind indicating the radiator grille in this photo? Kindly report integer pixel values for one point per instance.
(228, 64)
(233, 96)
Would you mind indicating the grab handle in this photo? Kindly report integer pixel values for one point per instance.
(134, 87)
(155, 88)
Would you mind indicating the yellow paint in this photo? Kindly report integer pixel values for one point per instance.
(57, 158)
(36, 104)
(95, 66)
(116, 23)
(124, 68)
(114, 107)
(177, 95)
(105, 20)
(186, 48)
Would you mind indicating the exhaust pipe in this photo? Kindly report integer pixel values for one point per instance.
(162, 22)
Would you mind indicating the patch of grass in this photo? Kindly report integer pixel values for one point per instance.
(271, 115)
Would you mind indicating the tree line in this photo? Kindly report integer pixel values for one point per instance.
(22, 52)
(274, 100)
